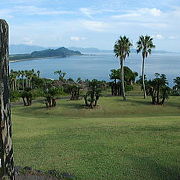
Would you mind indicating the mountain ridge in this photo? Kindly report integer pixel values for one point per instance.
(47, 53)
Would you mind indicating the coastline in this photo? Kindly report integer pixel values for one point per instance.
(30, 59)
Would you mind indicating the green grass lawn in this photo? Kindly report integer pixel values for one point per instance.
(119, 140)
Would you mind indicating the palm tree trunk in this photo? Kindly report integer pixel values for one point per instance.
(122, 79)
(6, 149)
(23, 83)
(26, 82)
(15, 84)
(30, 83)
(143, 83)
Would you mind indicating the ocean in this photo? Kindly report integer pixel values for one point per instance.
(98, 66)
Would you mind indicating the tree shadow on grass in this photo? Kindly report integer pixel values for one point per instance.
(134, 101)
(154, 169)
(158, 129)
(173, 104)
(73, 105)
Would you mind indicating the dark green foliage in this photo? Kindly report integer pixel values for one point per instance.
(37, 92)
(128, 88)
(176, 87)
(27, 97)
(50, 93)
(129, 77)
(79, 80)
(158, 89)
(19, 80)
(140, 82)
(38, 82)
(73, 90)
(145, 45)
(14, 95)
(93, 93)
(70, 80)
(115, 86)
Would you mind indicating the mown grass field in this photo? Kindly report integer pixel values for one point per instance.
(117, 141)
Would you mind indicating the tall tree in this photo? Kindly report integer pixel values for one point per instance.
(6, 149)
(144, 45)
(22, 76)
(38, 73)
(122, 50)
(176, 87)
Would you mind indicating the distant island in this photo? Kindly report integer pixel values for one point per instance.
(96, 50)
(19, 52)
(60, 52)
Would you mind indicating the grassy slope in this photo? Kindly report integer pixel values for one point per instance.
(117, 141)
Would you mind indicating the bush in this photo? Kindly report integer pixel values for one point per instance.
(128, 88)
(14, 96)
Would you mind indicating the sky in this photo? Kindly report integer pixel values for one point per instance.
(92, 23)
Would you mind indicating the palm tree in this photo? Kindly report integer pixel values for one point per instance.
(13, 80)
(31, 75)
(38, 73)
(22, 76)
(114, 75)
(122, 50)
(18, 79)
(144, 45)
(60, 74)
(26, 74)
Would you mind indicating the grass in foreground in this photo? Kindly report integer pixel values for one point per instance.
(117, 141)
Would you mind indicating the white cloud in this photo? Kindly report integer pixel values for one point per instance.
(87, 12)
(153, 11)
(98, 26)
(54, 28)
(172, 37)
(129, 15)
(142, 12)
(33, 10)
(158, 36)
(6, 13)
(76, 38)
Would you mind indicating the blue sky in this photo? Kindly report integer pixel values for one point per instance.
(92, 23)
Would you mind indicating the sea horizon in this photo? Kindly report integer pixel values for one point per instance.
(98, 65)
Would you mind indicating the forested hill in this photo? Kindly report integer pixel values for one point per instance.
(60, 52)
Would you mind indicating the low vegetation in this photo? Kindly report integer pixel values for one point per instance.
(118, 140)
